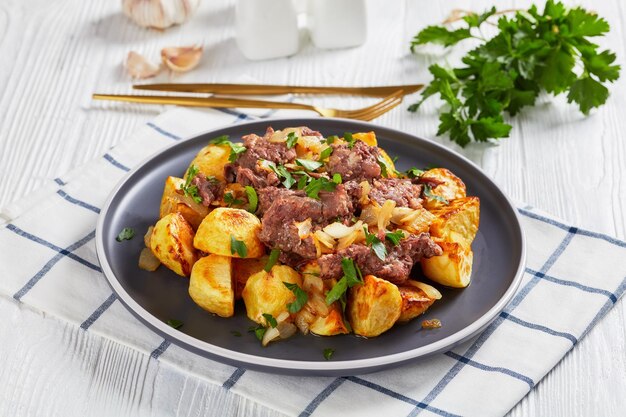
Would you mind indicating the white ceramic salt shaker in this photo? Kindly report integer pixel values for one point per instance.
(337, 23)
(266, 28)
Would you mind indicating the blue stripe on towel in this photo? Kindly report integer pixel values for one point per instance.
(78, 202)
(96, 314)
(115, 163)
(228, 384)
(163, 131)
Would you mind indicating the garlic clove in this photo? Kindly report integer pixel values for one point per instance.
(138, 66)
(181, 59)
(159, 14)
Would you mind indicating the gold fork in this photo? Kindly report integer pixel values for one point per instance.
(365, 113)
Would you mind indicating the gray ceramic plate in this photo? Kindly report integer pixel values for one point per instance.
(162, 295)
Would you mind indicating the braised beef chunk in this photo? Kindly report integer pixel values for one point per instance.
(268, 195)
(246, 168)
(358, 163)
(354, 190)
(395, 268)
(336, 204)
(402, 191)
(278, 229)
(209, 189)
(308, 132)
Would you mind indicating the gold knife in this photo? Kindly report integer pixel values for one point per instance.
(260, 89)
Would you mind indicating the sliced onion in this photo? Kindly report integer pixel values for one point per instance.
(318, 304)
(365, 192)
(357, 235)
(338, 230)
(303, 320)
(399, 214)
(282, 317)
(148, 236)
(304, 228)
(325, 239)
(311, 283)
(147, 260)
(286, 329)
(270, 334)
(384, 217)
(430, 291)
(188, 201)
(369, 214)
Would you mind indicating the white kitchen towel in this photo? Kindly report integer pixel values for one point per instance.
(573, 277)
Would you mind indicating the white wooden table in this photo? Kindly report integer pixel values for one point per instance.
(55, 54)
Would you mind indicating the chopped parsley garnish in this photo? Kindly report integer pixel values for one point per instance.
(308, 164)
(270, 319)
(291, 140)
(319, 184)
(127, 233)
(337, 178)
(328, 353)
(301, 297)
(395, 159)
(271, 261)
(331, 139)
(235, 333)
(394, 237)
(188, 188)
(282, 172)
(378, 247)
(235, 148)
(428, 192)
(177, 324)
(325, 154)
(253, 198)
(302, 182)
(230, 199)
(351, 277)
(259, 331)
(349, 139)
(383, 166)
(414, 172)
(238, 247)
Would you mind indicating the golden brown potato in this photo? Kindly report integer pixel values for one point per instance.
(390, 167)
(172, 243)
(415, 300)
(450, 187)
(237, 192)
(458, 221)
(211, 160)
(309, 147)
(173, 201)
(374, 306)
(243, 269)
(215, 232)
(310, 268)
(265, 292)
(330, 325)
(367, 137)
(453, 268)
(211, 285)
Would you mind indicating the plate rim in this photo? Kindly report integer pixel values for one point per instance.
(285, 365)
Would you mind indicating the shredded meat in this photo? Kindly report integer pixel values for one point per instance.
(402, 191)
(395, 268)
(209, 190)
(358, 163)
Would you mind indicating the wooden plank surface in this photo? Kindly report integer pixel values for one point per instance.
(55, 54)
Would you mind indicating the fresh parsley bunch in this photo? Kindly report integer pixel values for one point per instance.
(532, 52)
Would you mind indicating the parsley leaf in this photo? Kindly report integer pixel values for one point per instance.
(383, 166)
(429, 193)
(282, 172)
(395, 237)
(351, 277)
(235, 148)
(188, 188)
(325, 154)
(126, 233)
(235, 333)
(378, 247)
(347, 136)
(328, 353)
(308, 164)
(291, 140)
(238, 247)
(414, 173)
(177, 324)
(230, 199)
(259, 331)
(331, 139)
(253, 198)
(531, 52)
(271, 261)
(271, 321)
(220, 140)
(319, 184)
(337, 178)
(301, 297)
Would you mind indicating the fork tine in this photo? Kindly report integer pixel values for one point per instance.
(371, 112)
(382, 110)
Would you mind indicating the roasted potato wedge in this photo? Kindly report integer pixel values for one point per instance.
(458, 221)
(453, 268)
(330, 325)
(211, 285)
(310, 268)
(367, 137)
(243, 269)
(238, 196)
(265, 292)
(215, 232)
(417, 297)
(450, 187)
(174, 201)
(374, 306)
(172, 243)
(390, 167)
(211, 161)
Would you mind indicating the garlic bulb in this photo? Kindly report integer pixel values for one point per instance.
(159, 14)
(138, 66)
(181, 59)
